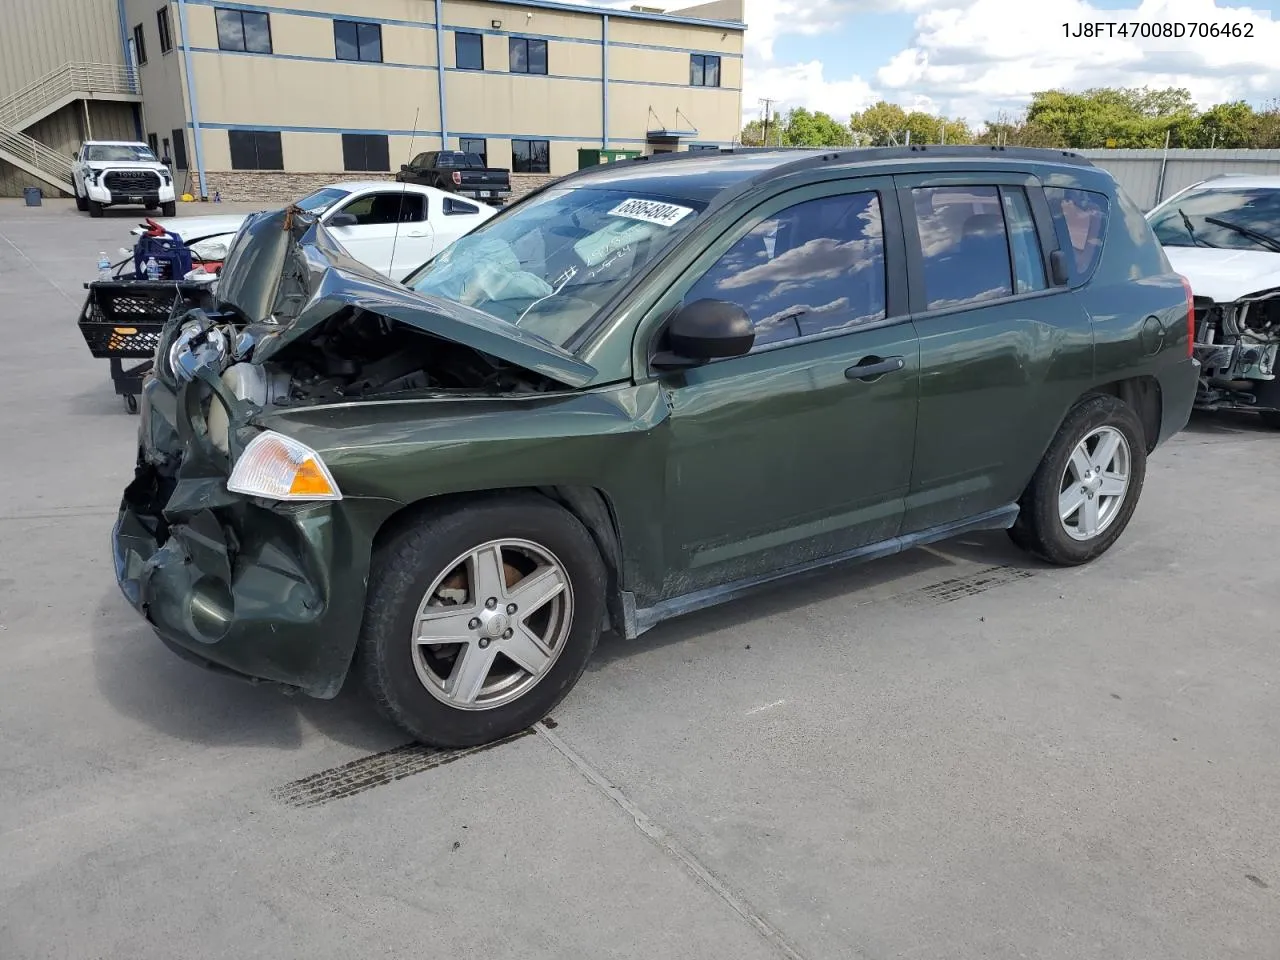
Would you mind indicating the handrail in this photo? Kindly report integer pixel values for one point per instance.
(67, 79)
(35, 153)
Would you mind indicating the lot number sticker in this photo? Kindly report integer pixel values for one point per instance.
(651, 211)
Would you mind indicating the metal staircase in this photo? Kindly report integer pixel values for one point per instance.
(44, 97)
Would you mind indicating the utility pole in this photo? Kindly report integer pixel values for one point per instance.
(767, 104)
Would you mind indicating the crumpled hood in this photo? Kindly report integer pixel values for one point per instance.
(1226, 275)
(287, 274)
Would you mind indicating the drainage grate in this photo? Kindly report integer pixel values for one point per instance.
(366, 773)
(960, 587)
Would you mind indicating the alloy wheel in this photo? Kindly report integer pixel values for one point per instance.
(1094, 483)
(492, 625)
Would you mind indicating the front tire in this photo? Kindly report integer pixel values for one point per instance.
(1270, 418)
(169, 209)
(82, 203)
(1086, 488)
(95, 209)
(511, 591)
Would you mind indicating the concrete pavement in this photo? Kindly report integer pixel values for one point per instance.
(953, 753)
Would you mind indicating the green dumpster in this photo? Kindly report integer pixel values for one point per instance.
(590, 158)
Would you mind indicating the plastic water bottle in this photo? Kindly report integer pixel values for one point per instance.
(153, 269)
(104, 266)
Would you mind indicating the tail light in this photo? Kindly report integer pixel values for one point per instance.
(1191, 317)
(457, 178)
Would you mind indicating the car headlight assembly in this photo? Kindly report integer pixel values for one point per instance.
(277, 467)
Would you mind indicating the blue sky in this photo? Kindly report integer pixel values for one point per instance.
(976, 58)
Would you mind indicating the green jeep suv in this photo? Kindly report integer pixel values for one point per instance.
(643, 390)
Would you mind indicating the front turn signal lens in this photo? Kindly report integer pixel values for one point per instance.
(280, 468)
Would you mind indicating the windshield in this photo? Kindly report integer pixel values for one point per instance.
(551, 263)
(322, 199)
(120, 152)
(1254, 210)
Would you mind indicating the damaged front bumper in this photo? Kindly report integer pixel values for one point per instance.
(264, 590)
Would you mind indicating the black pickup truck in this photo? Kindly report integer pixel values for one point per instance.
(460, 173)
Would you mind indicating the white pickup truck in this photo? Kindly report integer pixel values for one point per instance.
(110, 173)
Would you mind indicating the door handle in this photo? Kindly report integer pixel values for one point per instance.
(415, 233)
(869, 368)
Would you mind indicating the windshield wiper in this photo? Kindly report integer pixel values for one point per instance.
(1271, 243)
(1191, 231)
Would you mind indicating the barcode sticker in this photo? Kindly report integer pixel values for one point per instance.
(651, 211)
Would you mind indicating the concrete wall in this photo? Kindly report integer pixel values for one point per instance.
(303, 91)
(38, 36)
(62, 131)
(1138, 171)
(164, 110)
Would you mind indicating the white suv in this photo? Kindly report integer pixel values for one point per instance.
(109, 173)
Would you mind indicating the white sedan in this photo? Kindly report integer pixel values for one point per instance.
(393, 227)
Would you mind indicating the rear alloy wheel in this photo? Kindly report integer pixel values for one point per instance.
(480, 619)
(1087, 486)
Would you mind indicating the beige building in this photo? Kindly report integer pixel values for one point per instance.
(262, 100)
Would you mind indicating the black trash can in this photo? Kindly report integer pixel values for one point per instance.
(32, 196)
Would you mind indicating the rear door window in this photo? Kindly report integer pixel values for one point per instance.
(963, 244)
(1080, 221)
(1028, 259)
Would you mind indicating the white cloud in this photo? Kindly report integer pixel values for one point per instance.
(805, 85)
(973, 58)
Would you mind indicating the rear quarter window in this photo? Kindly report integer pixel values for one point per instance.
(1080, 219)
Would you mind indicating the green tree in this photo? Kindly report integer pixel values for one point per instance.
(880, 124)
(805, 129)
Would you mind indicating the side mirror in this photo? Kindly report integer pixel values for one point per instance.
(1058, 266)
(706, 330)
(405, 168)
(342, 220)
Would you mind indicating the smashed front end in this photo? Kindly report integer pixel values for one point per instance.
(234, 540)
(1237, 344)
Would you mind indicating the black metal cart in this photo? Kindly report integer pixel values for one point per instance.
(121, 321)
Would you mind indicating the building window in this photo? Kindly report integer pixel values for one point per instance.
(528, 56)
(179, 148)
(166, 31)
(700, 147)
(475, 145)
(357, 41)
(530, 156)
(704, 70)
(153, 143)
(240, 30)
(365, 151)
(256, 150)
(139, 45)
(468, 51)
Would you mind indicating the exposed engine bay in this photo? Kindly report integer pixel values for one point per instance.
(353, 355)
(1237, 345)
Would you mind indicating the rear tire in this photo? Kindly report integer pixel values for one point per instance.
(95, 209)
(438, 563)
(1270, 418)
(169, 209)
(1086, 488)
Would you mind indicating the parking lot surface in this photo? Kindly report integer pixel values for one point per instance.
(957, 752)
